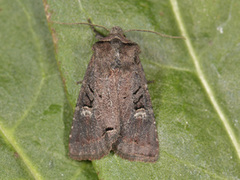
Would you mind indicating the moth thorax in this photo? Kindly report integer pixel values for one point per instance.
(116, 43)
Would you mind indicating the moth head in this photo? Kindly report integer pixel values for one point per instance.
(117, 30)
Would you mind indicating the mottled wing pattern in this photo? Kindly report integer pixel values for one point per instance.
(114, 110)
(138, 140)
(92, 133)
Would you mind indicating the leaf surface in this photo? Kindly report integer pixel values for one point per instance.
(35, 115)
(195, 93)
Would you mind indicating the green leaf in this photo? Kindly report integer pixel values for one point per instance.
(195, 95)
(35, 115)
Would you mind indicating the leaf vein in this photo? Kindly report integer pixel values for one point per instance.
(203, 79)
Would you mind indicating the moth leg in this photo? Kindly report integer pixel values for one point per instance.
(150, 81)
(79, 82)
(98, 35)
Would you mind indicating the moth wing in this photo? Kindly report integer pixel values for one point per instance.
(138, 140)
(88, 140)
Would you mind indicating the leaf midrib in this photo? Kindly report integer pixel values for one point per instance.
(203, 79)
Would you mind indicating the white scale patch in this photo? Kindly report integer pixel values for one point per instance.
(117, 55)
(86, 112)
(140, 114)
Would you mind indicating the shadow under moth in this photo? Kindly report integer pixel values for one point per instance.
(114, 110)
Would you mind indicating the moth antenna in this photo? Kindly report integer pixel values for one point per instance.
(90, 24)
(160, 34)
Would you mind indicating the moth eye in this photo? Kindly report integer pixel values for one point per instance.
(100, 96)
(124, 97)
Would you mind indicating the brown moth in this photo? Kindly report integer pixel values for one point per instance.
(114, 110)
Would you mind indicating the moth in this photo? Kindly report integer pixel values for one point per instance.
(114, 110)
